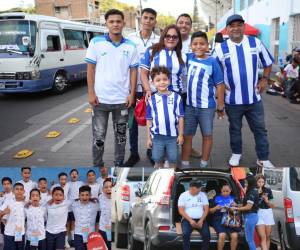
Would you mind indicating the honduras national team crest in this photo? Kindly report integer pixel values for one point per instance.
(125, 53)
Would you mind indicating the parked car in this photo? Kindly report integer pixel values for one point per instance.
(128, 182)
(155, 221)
(285, 185)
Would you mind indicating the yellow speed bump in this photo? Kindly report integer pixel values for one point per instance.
(73, 120)
(88, 110)
(24, 153)
(53, 134)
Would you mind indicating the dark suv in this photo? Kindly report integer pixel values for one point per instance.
(154, 221)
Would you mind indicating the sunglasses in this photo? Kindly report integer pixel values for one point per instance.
(170, 37)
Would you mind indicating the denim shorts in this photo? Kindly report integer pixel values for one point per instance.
(162, 146)
(202, 116)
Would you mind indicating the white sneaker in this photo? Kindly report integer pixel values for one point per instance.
(235, 160)
(265, 164)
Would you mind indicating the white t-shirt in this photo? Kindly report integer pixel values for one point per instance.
(105, 209)
(113, 63)
(193, 205)
(28, 186)
(74, 189)
(45, 197)
(57, 215)
(85, 217)
(186, 45)
(100, 180)
(6, 196)
(142, 45)
(16, 217)
(291, 72)
(36, 217)
(96, 189)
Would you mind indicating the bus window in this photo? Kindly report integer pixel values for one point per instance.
(90, 35)
(74, 39)
(53, 43)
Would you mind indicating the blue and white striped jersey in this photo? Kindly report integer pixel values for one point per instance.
(203, 76)
(240, 66)
(168, 59)
(164, 111)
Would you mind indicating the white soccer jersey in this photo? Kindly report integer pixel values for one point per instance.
(36, 217)
(96, 189)
(142, 45)
(45, 197)
(113, 63)
(74, 189)
(186, 45)
(240, 65)
(105, 212)
(170, 60)
(164, 111)
(28, 186)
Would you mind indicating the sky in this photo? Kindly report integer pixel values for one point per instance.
(172, 7)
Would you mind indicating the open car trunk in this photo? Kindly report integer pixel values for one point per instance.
(211, 185)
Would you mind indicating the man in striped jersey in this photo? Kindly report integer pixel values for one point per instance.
(239, 57)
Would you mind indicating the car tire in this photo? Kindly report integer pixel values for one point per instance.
(59, 83)
(120, 238)
(132, 243)
(147, 242)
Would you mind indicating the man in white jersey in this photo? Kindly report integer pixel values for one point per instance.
(27, 183)
(193, 207)
(111, 75)
(103, 176)
(143, 39)
(239, 57)
(7, 191)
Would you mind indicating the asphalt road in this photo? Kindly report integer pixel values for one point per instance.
(27, 118)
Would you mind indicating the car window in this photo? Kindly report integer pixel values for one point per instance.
(147, 186)
(139, 174)
(155, 184)
(274, 178)
(295, 179)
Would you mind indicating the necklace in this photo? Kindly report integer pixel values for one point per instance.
(145, 43)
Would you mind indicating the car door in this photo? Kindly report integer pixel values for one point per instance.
(140, 204)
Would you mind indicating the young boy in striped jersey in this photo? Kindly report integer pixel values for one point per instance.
(205, 77)
(164, 119)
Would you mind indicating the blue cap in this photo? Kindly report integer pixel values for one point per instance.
(234, 18)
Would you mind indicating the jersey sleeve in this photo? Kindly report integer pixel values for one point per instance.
(264, 55)
(134, 63)
(91, 55)
(205, 200)
(218, 76)
(181, 200)
(145, 62)
(179, 109)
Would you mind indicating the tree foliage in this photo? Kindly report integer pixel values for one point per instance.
(163, 21)
(105, 5)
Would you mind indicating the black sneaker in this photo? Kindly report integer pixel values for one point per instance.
(149, 155)
(132, 160)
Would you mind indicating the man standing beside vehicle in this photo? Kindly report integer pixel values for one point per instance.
(143, 39)
(111, 76)
(239, 57)
(193, 207)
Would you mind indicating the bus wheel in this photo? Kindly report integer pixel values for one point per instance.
(59, 83)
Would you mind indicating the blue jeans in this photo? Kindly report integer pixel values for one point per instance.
(254, 114)
(251, 220)
(163, 145)
(134, 131)
(187, 231)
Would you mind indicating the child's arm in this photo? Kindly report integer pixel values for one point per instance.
(149, 139)
(220, 100)
(180, 131)
(4, 212)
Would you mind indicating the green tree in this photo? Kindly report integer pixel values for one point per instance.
(105, 5)
(163, 20)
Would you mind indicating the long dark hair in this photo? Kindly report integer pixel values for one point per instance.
(156, 48)
(251, 181)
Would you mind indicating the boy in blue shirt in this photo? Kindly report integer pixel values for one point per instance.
(164, 119)
(204, 78)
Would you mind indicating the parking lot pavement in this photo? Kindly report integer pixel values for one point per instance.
(30, 119)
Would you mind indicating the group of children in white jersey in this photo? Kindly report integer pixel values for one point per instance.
(35, 217)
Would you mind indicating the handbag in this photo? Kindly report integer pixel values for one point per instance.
(140, 112)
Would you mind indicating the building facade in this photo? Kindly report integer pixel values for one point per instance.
(277, 20)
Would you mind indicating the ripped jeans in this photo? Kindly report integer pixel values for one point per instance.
(100, 117)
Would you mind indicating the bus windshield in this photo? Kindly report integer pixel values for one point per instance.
(12, 32)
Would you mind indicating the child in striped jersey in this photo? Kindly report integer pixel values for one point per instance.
(204, 78)
(164, 120)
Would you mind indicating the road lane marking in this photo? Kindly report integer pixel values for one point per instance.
(29, 136)
(71, 136)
